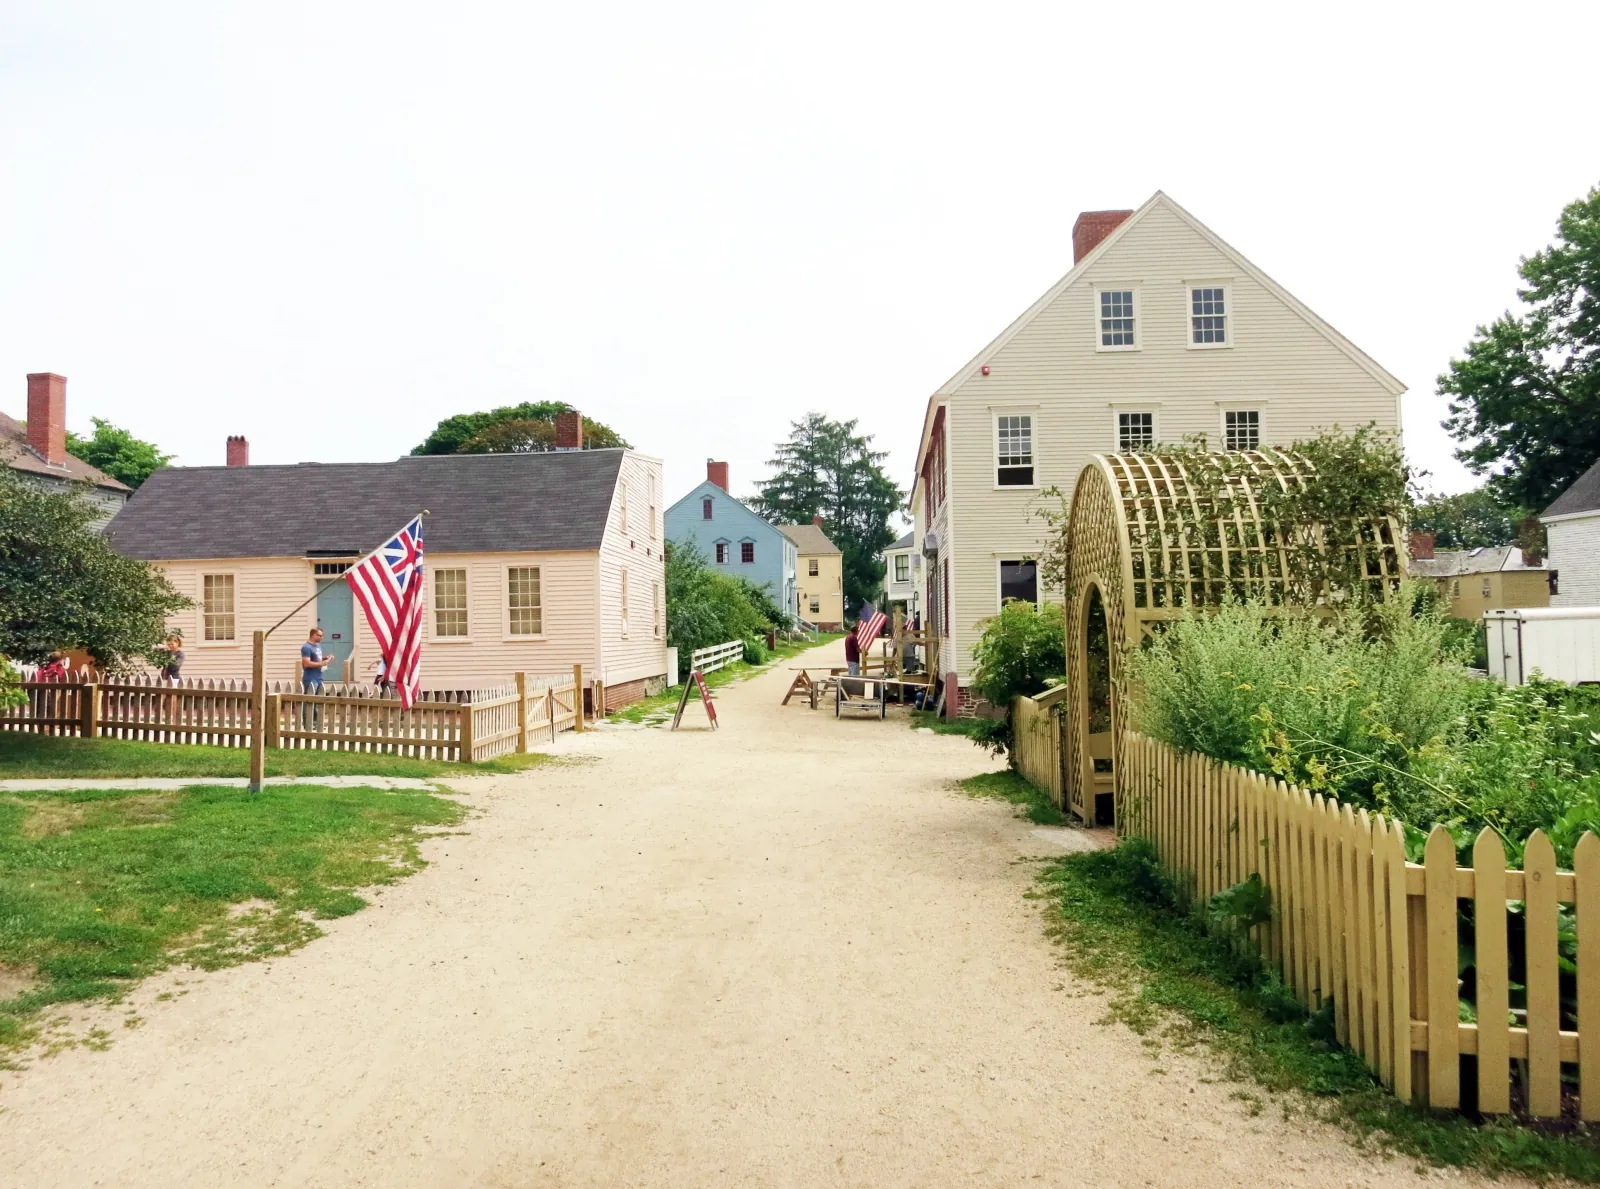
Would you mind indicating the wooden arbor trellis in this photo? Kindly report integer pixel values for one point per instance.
(1152, 536)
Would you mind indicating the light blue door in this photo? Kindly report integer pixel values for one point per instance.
(336, 616)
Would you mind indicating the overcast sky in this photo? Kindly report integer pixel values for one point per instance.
(328, 225)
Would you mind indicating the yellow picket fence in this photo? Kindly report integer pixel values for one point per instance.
(1355, 923)
(1036, 725)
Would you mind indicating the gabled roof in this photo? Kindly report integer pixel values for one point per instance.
(809, 539)
(905, 542)
(1125, 228)
(1456, 563)
(16, 454)
(479, 503)
(1582, 496)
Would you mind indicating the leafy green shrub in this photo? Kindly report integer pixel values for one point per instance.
(755, 652)
(707, 607)
(1022, 649)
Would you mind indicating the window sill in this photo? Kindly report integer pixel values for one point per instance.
(1099, 350)
(1211, 346)
(450, 639)
(234, 643)
(510, 639)
(1017, 487)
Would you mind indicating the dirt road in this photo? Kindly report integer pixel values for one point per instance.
(783, 954)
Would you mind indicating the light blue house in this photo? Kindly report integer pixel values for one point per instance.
(734, 539)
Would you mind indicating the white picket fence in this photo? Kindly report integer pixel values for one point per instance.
(709, 660)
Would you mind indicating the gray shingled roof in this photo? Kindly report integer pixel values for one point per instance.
(1582, 496)
(15, 453)
(1455, 563)
(905, 542)
(480, 503)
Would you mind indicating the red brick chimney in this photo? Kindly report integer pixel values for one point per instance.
(1091, 228)
(816, 521)
(238, 451)
(47, 417)
(717, 472)
(569, 430)
(1421, 546)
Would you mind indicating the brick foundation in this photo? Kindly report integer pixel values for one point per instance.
(629, 692)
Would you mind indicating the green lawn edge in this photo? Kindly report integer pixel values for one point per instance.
(665, 703)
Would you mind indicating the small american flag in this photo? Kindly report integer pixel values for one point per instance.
(869, 626)
(388, 584)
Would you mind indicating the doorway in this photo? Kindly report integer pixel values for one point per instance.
(1099, 778)
(336, 616)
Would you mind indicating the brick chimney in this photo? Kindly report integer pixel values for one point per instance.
(569, 430)
(1421, 546)
(238, 451)
(816, 521)
(717, 472)
(1091, 228)
(47, 417)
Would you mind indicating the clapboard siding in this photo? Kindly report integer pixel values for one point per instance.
(1299, 375)
(1575, 553)
(634, 652)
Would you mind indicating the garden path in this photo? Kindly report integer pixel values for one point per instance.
(781, 954)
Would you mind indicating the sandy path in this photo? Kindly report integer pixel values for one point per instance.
(776, 955)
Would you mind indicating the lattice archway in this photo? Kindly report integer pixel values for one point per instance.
(1154, 541)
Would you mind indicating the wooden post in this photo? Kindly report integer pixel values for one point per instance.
(270, 725)
(1417, 935)
(89, 727)
(599, 700)
(258, 707)
(464, 709)
(577, 698)
(522, 713)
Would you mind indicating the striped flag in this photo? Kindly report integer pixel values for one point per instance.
(388, 584)
(869, 626)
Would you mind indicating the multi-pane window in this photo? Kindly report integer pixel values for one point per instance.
(1135, 431)
(747, 552)
(902, 567)
(1488, 588)
(1019, 580)
(722, 553)
(655, 604)
(1208, 316)
(1117, 327)
(525, 609)
(216, 606)
(705, 508)
(1014, 445)
(1241, 429)
(811, 567)
(624, 598)
(449, 602)
(816, 606)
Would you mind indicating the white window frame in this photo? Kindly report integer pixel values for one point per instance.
(622, 600)
(1229, 323)
(727, 549)
(200, 634)
(1031, 412)
(622, 501)
(815, 603)
(655, 606)
(1261, 425)
(505, 604)
(999, 586)
(1116, 423)
(433, 616)
(902, 560)
(1138, 318)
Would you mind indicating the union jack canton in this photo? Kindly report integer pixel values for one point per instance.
(388, 583)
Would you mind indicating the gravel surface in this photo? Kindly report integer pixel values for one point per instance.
(780, 954)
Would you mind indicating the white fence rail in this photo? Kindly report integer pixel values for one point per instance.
(709, 660)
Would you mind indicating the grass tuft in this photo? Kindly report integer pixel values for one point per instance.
(1119, 920)
(1009, 786)
(120, 887)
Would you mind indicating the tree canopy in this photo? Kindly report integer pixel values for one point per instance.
(62, 586)
(117, 452)
(825, 467)
(1469, 520)
(707, 607)
(1525, 399)
(512, 429)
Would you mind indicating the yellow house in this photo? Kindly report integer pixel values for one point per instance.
(819, 575)
(1471, 581)
(535, 562)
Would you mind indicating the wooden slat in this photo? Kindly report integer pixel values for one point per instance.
(1493, 982)
(1361, 856)
(1399, 962)
(1444, 1075)
(1544, 994)
(1586, 869)
(1382, 950)
(1339, 909)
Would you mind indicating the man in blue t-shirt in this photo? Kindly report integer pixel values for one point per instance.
(312, 662)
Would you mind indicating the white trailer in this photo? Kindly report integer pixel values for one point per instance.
(1559, 643)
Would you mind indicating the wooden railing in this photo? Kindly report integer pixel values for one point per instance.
(708, 660)
(1354, 923)
(467, 725)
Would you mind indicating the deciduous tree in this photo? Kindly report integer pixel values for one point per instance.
(117, 452)
(512, 429)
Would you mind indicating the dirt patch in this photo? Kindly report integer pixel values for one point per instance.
(146, 809)
(16, 980)
(50, 816)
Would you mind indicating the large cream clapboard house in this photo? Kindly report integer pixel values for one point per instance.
(535, 563)
(1161, 330)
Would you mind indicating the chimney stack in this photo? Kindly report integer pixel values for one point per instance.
(1421, 546)
(717, 472)
(1091, 228)
(47, 417)
(238, 451)
(816, 521)
(569, 430)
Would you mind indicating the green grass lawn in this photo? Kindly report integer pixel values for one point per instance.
(948, 726)
(1178, 985)
(100, 888)
(1009, 786)
(40, 756)
(664, 704)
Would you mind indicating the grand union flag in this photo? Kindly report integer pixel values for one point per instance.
(388, 583)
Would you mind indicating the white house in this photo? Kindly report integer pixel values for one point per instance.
(901, 567)
(1572, 525)
(1159, 331)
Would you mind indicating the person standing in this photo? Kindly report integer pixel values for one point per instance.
(174, 664)
(852, 652)
(312, 663)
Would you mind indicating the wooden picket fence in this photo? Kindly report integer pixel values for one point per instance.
(1354, 923)
(1037, 725)
(473, 725)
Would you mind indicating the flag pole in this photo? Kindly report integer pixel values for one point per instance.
(258, 684)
